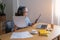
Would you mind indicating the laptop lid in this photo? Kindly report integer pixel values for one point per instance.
(19, 21)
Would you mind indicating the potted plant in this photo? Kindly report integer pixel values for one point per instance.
(2, 8)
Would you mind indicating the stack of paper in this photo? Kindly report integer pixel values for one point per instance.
(25, 34)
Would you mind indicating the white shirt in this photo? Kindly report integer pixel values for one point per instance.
(27, 20)
(21, 21)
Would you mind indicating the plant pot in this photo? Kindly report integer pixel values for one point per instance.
(2, 14)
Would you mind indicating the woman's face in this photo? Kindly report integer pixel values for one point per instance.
(25, 12)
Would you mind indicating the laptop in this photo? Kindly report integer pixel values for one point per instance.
(41, 26)
(19, 21)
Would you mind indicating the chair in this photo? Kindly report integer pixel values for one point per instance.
(9, 26)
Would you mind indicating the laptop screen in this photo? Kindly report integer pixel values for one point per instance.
(41, 26)
(19, 21)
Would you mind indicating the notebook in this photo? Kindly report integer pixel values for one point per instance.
(24, 34)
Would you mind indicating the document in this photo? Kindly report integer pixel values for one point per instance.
(24, 34)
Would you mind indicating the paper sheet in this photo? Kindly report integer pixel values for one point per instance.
(25, 34)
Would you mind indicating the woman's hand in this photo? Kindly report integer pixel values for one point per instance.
(33, 24)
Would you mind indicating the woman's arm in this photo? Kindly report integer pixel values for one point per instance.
(15, 27)
(28, 22)
(33, 24)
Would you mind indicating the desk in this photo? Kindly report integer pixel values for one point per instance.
(53, 34)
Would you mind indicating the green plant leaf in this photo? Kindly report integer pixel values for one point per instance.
(2, 6)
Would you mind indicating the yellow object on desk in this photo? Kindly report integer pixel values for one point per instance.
(43, 32)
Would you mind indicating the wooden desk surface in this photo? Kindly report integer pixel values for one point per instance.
(53, 34)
